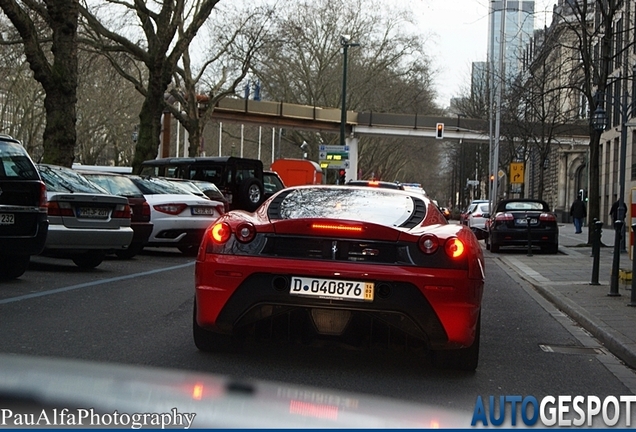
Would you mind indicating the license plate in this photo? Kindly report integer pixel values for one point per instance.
(332, 289)
(92, 212)
(203, 211)
(524, 222)
(7, 218)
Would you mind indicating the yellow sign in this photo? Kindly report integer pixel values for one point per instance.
(516, 172)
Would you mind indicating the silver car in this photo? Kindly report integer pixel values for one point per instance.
(84, 220)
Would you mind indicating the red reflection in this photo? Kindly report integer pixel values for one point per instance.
(307, 409)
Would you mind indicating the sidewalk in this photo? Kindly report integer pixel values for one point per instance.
(565, 278)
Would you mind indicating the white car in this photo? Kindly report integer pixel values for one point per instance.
(85, 221)
(179, 218)
(476, 219)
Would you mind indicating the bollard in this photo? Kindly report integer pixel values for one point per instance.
(529, 238)
(632, 301)
(596, 250)
(618, 228)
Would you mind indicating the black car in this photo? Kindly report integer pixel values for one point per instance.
(514, 221)
(23, 218)
(240, 179)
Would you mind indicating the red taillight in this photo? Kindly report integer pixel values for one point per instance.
(478, 215)
(333, 227)
(503, 217)
(547, 217)
(172, 209)
(454, 247)
(56, 208)
(145, 210)
(428, 243)
(245, 232)
(122, 211)
(220, 232)
(42, 199)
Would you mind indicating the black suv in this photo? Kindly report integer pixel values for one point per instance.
(240, 179)
(23, 219)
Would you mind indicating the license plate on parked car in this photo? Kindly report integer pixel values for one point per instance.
(92, 212)
(203, 211)
(7, 218)
(332, 289)
(524, 222)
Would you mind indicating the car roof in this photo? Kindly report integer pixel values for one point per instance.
(198, 160)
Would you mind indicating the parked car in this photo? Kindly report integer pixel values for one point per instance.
(513, 220)
(23, 218)
(179, 218)
(202, 189)
(463, 217)
(85, 221)
(345, 263)
(240, 179)
(478, 216)
(140, 223)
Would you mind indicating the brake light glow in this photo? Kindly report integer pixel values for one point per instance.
(428, 243)
(197, 392)
(145, 209)
(454, 247)
(122, 211)
(330, 227)
(374, 183)
(56, 208)
(220, 232)
(245, 232)
(172, 209)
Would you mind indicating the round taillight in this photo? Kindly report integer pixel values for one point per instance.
(245, 232)
(220, 232)
(428, 243)
(454, 247)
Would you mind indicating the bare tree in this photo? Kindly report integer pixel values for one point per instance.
(159, 48)
(389, 71)
(48, 32)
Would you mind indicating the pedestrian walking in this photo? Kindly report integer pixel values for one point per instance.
(578, 213)
(615, 214)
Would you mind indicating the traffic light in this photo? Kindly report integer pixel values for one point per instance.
(342, 177)
(439, 133)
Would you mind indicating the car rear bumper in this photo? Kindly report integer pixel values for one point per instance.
(520, 237)
(179, 231)
(31, 244)
(438, 306)
(61, 237)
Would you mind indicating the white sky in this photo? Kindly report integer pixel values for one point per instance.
(460, 37)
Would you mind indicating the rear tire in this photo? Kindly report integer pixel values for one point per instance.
(466, 359)
(12, 267)
(251, 194)
(90, 259)
(209, 341)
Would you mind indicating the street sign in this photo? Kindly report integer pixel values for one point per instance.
(516, 172)
(500, 174)
(333, 156)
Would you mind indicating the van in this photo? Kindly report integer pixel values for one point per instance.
(295, 172)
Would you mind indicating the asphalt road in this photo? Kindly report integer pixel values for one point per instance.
(140, 312)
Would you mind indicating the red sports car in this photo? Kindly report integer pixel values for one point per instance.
(342, 262)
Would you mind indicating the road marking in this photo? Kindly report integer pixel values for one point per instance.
(91, 284)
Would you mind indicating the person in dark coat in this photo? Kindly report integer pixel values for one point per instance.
(615, 214)
(578, 213)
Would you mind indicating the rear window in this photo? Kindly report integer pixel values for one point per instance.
(525, 205)
(155, 186)
(116, 185)
(59, 179)
(380, 206)
(16, 164)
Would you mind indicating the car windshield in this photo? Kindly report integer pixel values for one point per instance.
(59, 179)
(380, 206)
(524, 205)
(116, 185)
(272, 183)
(15, 163)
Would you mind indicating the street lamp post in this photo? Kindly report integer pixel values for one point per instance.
(345, 41)
(619, 223)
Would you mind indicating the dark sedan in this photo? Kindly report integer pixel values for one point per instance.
(515, 221)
